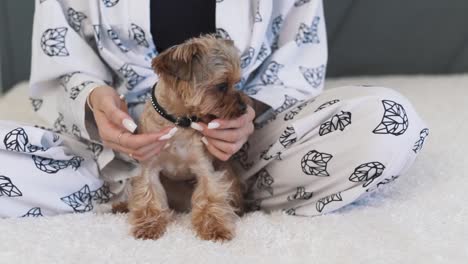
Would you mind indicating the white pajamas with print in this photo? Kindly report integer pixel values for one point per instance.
(312, 153)
(322, 154)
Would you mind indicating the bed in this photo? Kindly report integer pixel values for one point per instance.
(420, 218)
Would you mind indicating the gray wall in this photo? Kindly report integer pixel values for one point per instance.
(366, 37)
(1, 80)
(397, 36)
(15, 41)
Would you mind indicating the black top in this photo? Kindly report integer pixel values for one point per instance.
(174, 21)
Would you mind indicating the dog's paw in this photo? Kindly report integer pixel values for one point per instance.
(149, 224)
(213, 227)
(121, 207)
(150, 229)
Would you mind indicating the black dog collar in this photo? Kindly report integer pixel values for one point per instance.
(184, 121)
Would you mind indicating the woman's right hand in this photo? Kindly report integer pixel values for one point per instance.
(116, 127)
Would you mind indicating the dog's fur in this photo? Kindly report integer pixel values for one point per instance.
(185, 175)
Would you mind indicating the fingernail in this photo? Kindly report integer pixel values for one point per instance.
(169, 134)
(129, 125)
(196, 126)
(213, 125)
(173, 131)
(167, 145)
(203, 139)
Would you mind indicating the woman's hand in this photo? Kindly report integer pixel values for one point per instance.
(116, 127)
(223, 138)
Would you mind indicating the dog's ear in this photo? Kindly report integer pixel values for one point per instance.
(178, 61)
(229, 42)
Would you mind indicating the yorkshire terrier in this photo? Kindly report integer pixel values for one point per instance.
(196, 84)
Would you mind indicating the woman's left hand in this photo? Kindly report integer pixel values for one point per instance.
(223, 138)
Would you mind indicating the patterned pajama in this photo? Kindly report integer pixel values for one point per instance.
(45, 173)
(313, 157)
(307, 157)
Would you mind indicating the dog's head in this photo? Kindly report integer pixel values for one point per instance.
(202, 73)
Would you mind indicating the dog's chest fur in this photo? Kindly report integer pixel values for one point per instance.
(175, 162)
(184, 151)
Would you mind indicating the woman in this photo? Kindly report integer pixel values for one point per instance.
(311, 152)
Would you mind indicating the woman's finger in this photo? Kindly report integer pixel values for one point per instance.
(117, 147)
(141, 154)
(215, 151)
(114, 113)
(105, 99)
(145, 150)
(152, 153)
(226, 147)
(107, 130)
(110, 132)
(229, 135)
(234, 123)
(137, 141)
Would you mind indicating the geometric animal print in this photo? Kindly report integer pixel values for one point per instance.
(422, 137)
(53, 166)
(327, 104)
(315, 163)
(367, 172)
(116, 39)
(300, 2)
(326, 200)
(139, 35)
(75, 90)
(80, 201)
(270, 76)
(300, 194)
(110, 3)
(131, 76)
(308, 34)
(314, 76)
(75, 18)
(288, 137)
(33, 212)
(17, 140)
(53, 42)
(247, 57)
(264, 181)
(337, 122)
(394, 120)
(7, 188)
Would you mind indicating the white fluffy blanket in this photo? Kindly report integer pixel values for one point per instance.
(421, 218)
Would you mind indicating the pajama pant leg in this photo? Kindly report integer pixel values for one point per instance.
(43, 173)
(316, 156)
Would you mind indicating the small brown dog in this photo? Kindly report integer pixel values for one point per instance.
(196, 83)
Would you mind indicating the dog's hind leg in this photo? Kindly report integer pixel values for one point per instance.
(213, 216)
(149, 212)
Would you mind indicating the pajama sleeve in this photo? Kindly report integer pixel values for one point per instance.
(293, 55)
(65, 66)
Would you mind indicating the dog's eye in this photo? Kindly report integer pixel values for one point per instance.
(222, 87)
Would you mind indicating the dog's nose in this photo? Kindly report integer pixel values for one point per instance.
(242, 107)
